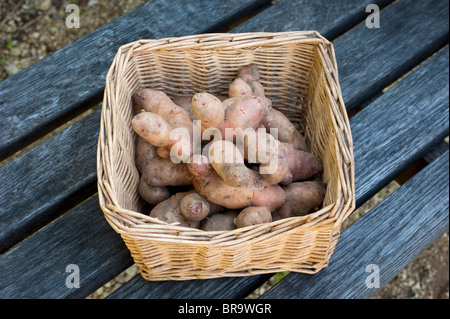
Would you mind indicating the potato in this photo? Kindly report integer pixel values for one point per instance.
(169, 211)
(164, 172)
(248, 82)
(302, 165)
(212, 187)
(144, 154)
(208, 109)
(177, 122)
(245, 112)
(302, 198)
(220, 221)
(250, 71)
(152, 128)
(250, 74)
(262, 148)
(152, 194)
(286, 131)
(194, 207)
(228, 162)
(239, 88)
(158, 102)
(185, 102)
(253, 216)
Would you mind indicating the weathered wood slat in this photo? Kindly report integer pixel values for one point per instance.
(49, 179)
(329, 19)
(382, 242)
(368, 59)
(398, 149)
(219, 288)
(409, 32)
(37, 268)
(402, 125)
(440, 149)
(38, 99)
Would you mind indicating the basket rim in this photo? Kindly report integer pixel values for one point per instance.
(210, 41)
(215, 41)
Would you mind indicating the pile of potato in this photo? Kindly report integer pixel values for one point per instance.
(269, 177)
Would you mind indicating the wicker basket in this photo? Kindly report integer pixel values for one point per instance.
(299, 72)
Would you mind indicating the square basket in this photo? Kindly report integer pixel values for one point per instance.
(299, 73)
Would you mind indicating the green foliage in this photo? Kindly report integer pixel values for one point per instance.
(280, 275)
(9, 44)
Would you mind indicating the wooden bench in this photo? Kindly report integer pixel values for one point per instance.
(49, 212)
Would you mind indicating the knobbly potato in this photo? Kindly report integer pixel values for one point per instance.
(194, 207)
(152, 194)
(301, 198)
(220, 221)
(257, 193)
(253, 216)
(164, 172)
(169, 211)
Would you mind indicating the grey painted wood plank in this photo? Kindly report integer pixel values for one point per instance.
(440, 149)
(82, 237)
(401, 126)
(381, 243)
(330, 19)
(368, 59)
(217, 288)
(380, 154)
(39, 98)
(47, 180)
(409, 32)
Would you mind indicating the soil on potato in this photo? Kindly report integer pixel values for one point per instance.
(34, 29)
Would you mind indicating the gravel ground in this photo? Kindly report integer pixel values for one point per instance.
(31, 30)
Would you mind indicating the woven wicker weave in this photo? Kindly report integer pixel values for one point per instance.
(299, 72)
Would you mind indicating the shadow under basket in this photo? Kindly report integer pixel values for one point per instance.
(299, 74)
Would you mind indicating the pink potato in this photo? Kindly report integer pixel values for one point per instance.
(152, 194)
(169, 211)
(302, 165)
(286, 131)
(158, 102)
(158, 132)
(164, 172)
(228, 162)
(208, 109)
(302, 198)
(253, 216)
(194, 207)
(144, 154)
(248, 82)
(261, 148)
(220, 221)
(212, 187)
